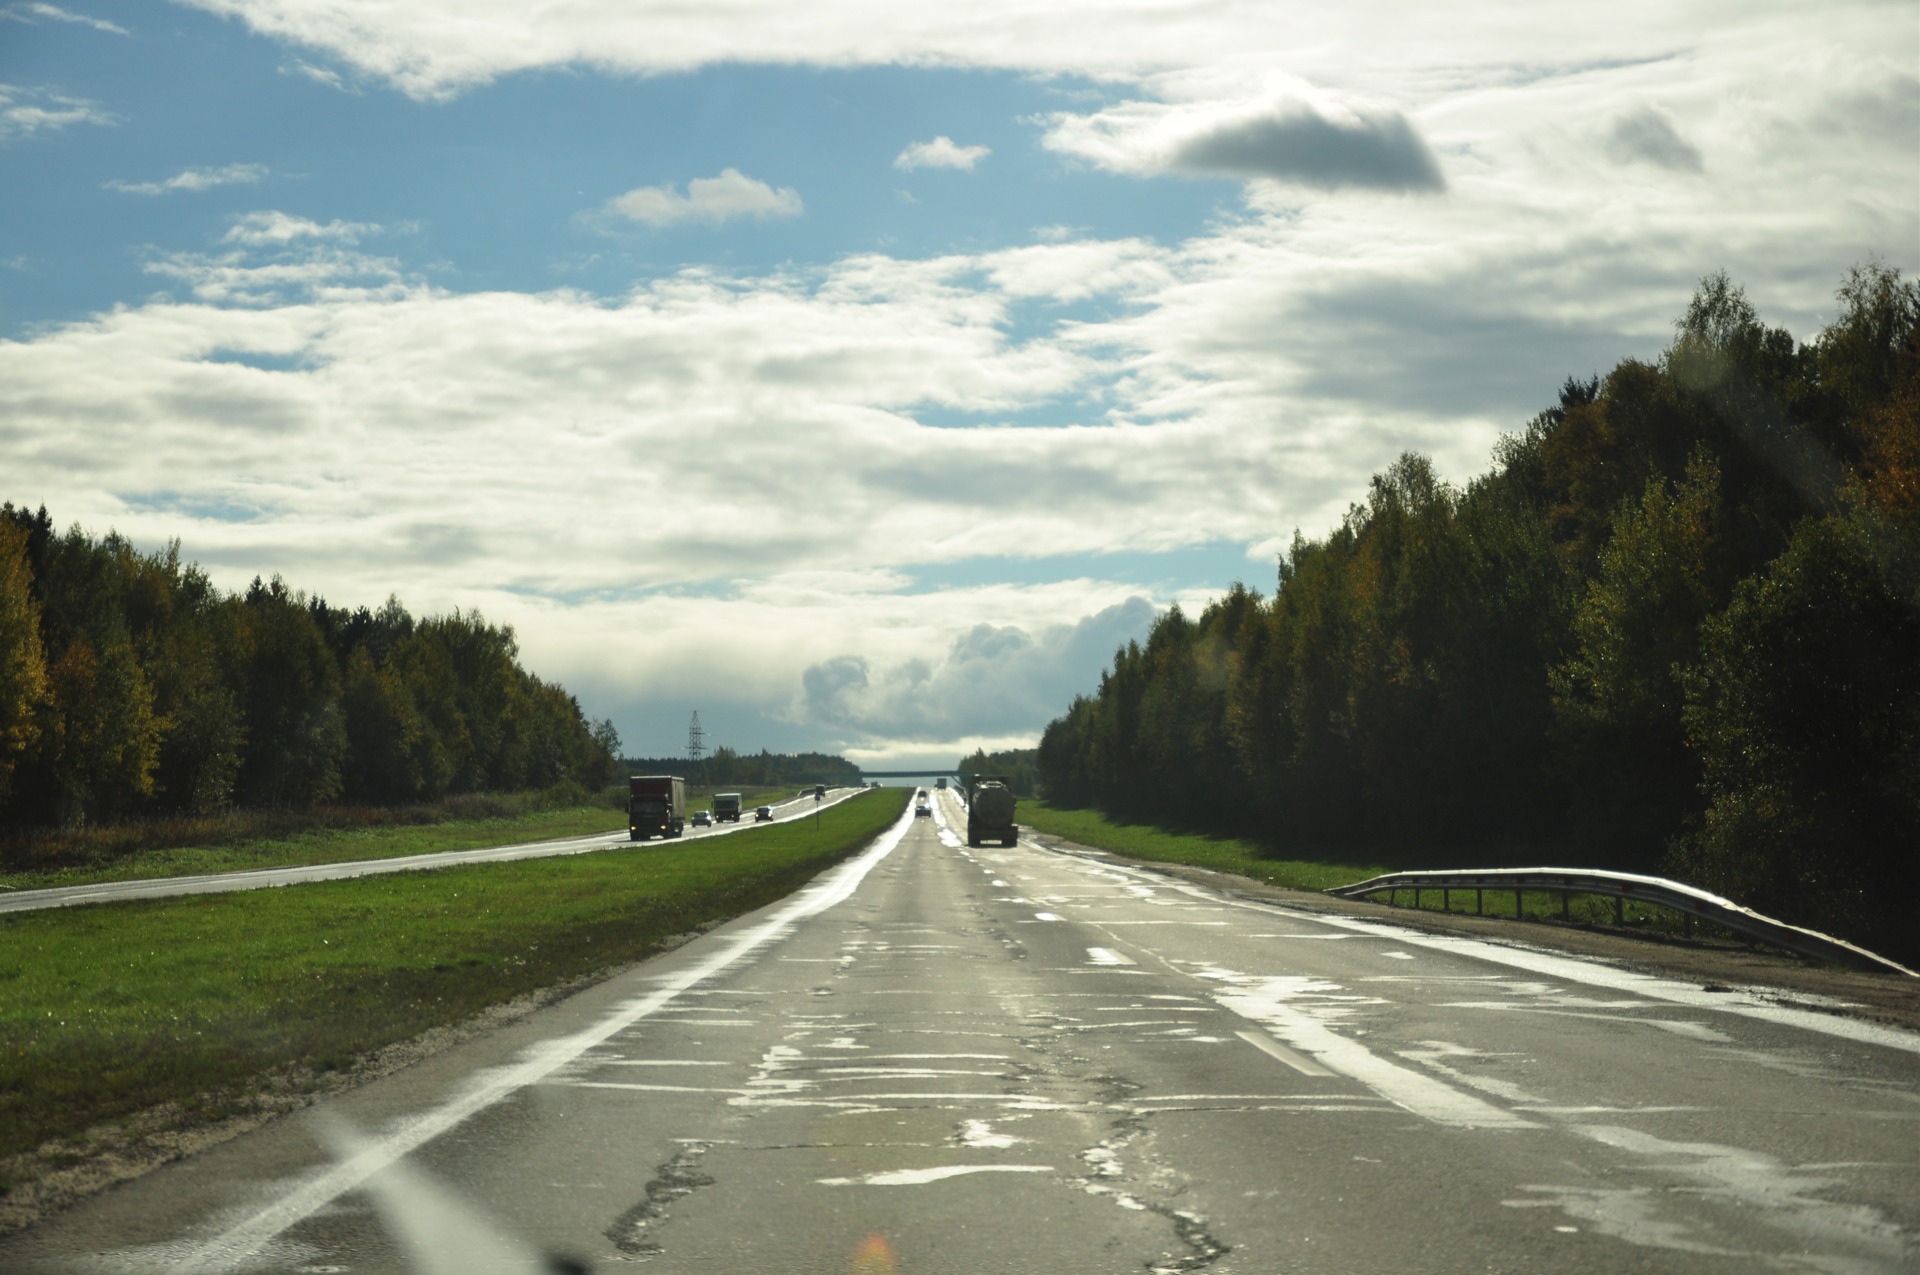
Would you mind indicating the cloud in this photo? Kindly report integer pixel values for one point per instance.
(319, 75)
(53, 13)
(195, 179)
(708, 199)
(940, 153)
(1647, 136)
(274, 258)
(28, 111)
(992, 681)
(1295, 137)
(257, 229)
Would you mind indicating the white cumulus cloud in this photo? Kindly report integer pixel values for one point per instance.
(941, 152)
(708, 199)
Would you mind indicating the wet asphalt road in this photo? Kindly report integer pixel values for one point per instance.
(938, 1061)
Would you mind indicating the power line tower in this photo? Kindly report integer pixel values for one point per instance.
(696, 744)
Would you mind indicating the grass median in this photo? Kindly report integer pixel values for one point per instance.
(111, 1009)
(242, 840)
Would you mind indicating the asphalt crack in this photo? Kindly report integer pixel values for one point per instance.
(674, 1180)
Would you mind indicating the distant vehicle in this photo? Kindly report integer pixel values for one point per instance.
(656, 806)
(703, 818)
(762, 813)
(726, 807)
(990, 811)
(940, 782)
(922, 811)
(819, 791)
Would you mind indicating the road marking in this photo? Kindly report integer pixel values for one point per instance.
(1045, 916)
(920, 1177)
(1106, 956)
(1420, 1094)
(237, 1246)
(1747, 1002)
(1274, 1049)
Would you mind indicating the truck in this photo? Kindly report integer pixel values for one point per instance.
(940, 782)
(990, 810)
(656, 806)
(819, 792)
(726, 807)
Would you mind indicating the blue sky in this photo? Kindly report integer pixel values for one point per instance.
(859, 375)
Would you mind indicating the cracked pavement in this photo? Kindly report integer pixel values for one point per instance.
(939, 1060)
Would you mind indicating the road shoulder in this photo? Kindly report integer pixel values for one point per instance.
(1890, 999)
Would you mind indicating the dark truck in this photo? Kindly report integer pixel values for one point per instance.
(656, 806)
(990, 810)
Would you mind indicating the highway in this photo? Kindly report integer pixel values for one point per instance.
(67, 896)
(942, 1061)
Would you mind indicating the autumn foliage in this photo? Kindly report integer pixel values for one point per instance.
(131, 686)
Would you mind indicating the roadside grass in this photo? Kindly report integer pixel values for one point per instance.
(1204, 850)
(1249, 859)
(112, 1009)
(244, 840)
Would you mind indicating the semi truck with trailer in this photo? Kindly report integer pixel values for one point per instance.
(656, 806)
(990, 811)
(726, 807)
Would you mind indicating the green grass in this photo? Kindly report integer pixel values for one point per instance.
(110, 1009)
(321, 844)
(1223, 854)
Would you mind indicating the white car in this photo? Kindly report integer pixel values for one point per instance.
(703, 818)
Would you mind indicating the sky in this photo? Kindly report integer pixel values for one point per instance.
(861, 374)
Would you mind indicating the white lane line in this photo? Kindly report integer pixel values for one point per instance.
(1274, 1049)
(1045, 916)
(1422, 1095)
(1107, 956)
(237, 1246)
(920, 1177)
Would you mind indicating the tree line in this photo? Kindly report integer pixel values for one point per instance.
(131, 686)
(1676, 627)
(1020, 767)
(725, 765)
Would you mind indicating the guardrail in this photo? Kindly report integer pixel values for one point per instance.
(1690, 902)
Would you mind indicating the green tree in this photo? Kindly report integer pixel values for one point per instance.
(1805, 711)
(1618, 697)
(296, 739)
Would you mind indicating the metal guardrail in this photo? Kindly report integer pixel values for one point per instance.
(1688, 901)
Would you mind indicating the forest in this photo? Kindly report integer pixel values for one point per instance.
(1675, 628)
(1018, 766)
(130, 686)
(763, 769)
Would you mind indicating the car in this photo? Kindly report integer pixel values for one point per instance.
(703, 818)
(922, 810)
(762, 812)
